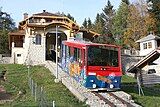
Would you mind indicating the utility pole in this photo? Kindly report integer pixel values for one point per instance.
(56, 80)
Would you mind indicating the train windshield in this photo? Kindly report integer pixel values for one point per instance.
(102, 56)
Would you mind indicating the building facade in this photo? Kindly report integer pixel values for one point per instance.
(35, 40)
(148, 44)
(148, 68)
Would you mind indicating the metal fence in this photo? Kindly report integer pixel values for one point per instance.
(39, 94)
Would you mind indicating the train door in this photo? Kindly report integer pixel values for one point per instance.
(80, 60)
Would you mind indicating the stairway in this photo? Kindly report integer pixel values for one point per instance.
(150, 79)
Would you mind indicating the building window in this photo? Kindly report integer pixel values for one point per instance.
(18, 55)
(144, 45)
(38, 39)
(149, 44)
(23, 39)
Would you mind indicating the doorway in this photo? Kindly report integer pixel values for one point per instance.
(51, 43)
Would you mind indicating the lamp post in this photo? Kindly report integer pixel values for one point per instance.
(56, 80)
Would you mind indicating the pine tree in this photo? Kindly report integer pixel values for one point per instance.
(84, 25)
(107, 15)
(99, 24)
(6, 25)
(104, 23)
(120, 23)
(154, 11)
(71, 17)
(89, 24)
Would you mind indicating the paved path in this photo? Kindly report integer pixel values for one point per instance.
(3, 94)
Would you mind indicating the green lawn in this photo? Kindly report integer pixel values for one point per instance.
(127, 79)
(151, 98)
(17, 80)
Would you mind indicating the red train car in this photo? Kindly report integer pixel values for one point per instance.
(95, 66)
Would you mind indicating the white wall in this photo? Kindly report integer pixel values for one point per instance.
(31, 53)
(144, 52)
(18, 55)
(156, 67)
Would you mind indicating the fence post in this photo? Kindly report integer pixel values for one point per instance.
(28, 70)
(32, 86)
(41, 97)
(35, 91)
(30, 82)
(53, 104)
(39, 94)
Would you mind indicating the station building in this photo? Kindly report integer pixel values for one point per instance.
(35, 40)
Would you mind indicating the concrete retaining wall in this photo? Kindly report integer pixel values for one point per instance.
(128, 61)
(4, 60)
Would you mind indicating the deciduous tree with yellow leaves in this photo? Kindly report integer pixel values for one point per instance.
(139, 24)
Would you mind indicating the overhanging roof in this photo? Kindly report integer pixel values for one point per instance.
(19, 32)
(149, 58)
(44, 13)
(149, 37)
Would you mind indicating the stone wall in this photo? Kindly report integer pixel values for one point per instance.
(128, 61)
(4, 60)
(36, 54)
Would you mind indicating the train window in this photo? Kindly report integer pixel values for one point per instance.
(100, 56)
(77, 54)
(69, 51)
(62, 51)
(66, 53)
(113, 58)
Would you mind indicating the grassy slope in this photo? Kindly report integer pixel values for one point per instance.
(17, 75)
(150, 98)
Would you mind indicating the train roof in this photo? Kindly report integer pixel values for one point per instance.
(86, 43)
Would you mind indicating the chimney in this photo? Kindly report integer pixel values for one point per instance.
(25, 15)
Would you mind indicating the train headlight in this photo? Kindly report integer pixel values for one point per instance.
(115, 81)
(111, 86)
(91, 80)
(94, 85)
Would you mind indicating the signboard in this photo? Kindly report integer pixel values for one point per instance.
(79, 36)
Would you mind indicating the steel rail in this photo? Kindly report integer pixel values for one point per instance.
(120, 99)
(104, 99)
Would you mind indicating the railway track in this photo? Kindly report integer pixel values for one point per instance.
(112, 100)
(104, 99)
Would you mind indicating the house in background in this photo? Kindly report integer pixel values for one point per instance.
(35, 40)
(148, 44)
(148, 67)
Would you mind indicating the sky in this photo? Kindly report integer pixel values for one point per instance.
(79, 9)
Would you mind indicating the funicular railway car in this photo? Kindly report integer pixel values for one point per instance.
(95, 66)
